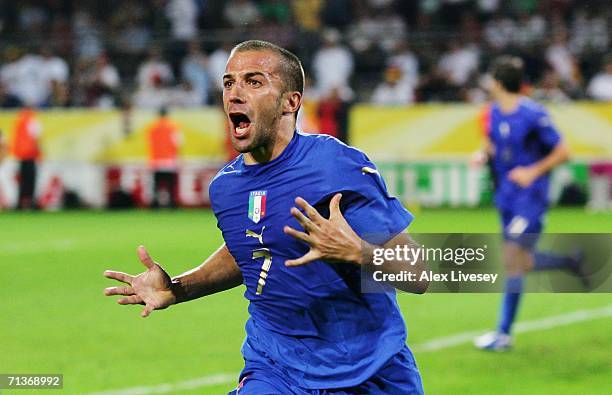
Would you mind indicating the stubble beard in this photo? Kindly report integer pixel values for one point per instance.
(266, 130)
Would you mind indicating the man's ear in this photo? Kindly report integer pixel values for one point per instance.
(292, 102)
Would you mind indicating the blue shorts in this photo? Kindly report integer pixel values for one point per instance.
(523, 226)
(399, 375)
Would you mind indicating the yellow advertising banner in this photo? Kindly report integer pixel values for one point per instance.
(387, 134)
(440, 131)
(110, 136)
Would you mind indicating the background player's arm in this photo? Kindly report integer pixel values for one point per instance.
(558, 155)
(333, 239)
(481, 156)
(156, 290)
(526, 175)
(486, 150)
(549, 137)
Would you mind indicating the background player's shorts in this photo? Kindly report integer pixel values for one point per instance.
(523, 226)
(399, 375)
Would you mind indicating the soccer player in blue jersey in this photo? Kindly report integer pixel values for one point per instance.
(523, 146)
(301, 216)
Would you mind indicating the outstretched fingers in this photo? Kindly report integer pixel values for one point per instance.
(133, 299)
(144, 257)
(119, 276)
(297, 234)
(334, 205)
(122, 290)
(307, 258)
(303, 220)
(147, 310)
(310, 211)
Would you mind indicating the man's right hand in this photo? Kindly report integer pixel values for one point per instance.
(151, 288)
(478, 158)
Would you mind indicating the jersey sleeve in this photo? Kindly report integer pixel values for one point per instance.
(214, 191)
(372, 212)
(546, 131)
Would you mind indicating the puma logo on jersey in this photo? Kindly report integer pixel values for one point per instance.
(368, 170)
(258, 236)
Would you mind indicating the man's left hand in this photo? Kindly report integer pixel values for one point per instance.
(524, 176)
(330, 239)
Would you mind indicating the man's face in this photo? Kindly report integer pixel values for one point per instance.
(493, 86)
(252, 99)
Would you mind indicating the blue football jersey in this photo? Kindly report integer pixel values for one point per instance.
(521, 138)
(310, 322)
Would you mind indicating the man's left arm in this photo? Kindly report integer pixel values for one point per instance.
(333, 239)
(526, 175)
(549, 136)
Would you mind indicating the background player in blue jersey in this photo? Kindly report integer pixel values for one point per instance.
(523, 146)
(301, 216)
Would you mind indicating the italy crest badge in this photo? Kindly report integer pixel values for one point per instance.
(257, 205)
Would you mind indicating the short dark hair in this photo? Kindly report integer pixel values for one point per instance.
(290, 65)
(508, 71)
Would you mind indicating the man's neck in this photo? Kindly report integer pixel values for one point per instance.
(508, 102)
(266, 154)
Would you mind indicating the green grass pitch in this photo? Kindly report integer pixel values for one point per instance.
(55, 319)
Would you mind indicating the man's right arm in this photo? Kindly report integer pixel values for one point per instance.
(218, 273)
(486, 151)
(156, 290)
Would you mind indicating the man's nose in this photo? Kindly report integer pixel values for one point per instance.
(235, 94)
(237, 99)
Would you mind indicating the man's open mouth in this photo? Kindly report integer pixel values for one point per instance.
(240, 122)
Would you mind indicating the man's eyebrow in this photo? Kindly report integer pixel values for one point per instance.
(248, 74)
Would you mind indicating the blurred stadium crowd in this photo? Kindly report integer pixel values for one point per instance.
(91, 53)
